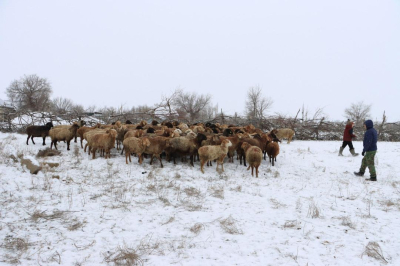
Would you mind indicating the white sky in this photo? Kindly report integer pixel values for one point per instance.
(317, 53)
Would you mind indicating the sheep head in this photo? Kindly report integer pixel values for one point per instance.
(245, 146)
(226, 143)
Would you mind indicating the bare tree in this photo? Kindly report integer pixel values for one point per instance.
(256, 104)
(191, 103)
(78, 110)
(358, 112)
(168, 101)
(30, 93)
(61, 105)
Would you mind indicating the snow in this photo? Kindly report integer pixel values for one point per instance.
(309, 209)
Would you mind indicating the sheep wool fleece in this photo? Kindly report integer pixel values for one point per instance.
(368, 161)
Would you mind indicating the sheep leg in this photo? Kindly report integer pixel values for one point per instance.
(273, 161)
(159, 157)
(202, 162)
(93, 153)
(44, 140)
(122, 150)
(151, 160)
(27, 140)
(85, 147)
(252, 170)
(32, 140)
(191, 160)
(81, 143)
(248, 167)
(55, 144)
(257, 170)
(75, 140)
(68, 141)
(221, 161)
(127, 154)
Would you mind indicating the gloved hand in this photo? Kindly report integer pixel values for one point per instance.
(363, 152)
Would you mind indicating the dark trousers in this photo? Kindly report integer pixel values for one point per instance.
(350, 143)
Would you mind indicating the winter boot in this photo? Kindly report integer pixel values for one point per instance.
(341, 151)
(353, 152)
(359, 173)
(371, 179)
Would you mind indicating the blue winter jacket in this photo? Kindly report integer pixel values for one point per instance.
(370, 137)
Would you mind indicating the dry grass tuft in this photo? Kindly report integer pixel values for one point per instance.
(290, 224)
(192, 192)
(346, 221)
(374, 250)
(15, 244)
(237, 189)
(123, 256)
(197, 228)
(276, 204)
(164, 200)
(151, 187)
(217, 191)
(57, 214)
(177, 175)
(229, 226)
(313, 211)
(170, 220)
(47, 153)
(192, 206)
(76, 225)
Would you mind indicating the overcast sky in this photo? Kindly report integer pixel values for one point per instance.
(323, 54)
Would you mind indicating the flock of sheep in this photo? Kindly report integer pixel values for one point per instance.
(206, 142)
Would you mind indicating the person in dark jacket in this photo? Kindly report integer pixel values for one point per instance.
(348, 139)
(369, 151)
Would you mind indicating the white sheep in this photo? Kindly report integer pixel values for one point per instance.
(209, 152)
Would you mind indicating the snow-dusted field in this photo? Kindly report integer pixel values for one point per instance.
(307, 210)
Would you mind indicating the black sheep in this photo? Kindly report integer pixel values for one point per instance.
(38, 131)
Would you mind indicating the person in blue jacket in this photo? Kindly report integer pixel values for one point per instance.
(369, 151)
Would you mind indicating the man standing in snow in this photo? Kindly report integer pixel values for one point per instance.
(369, 151)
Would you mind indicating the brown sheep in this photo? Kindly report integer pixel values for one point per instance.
(135, 145)
(209, 153)
(64, 134)
(272, 151)
(254, 156)
(253, 142)
(103, 142)
(235, 140)
(184, 146)
(155, 146)
(38, 131)
(285, 133)
(83, 130)
(88, 136)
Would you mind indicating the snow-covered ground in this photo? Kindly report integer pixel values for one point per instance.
(309, 209)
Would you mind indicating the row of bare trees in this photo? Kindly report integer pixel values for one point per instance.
(31, 94)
